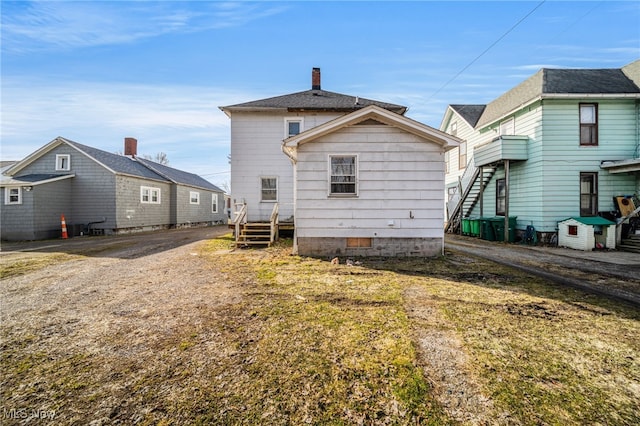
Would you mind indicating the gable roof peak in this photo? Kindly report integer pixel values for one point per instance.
(315, 99)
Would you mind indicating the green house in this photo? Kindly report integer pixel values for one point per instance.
(563, 143)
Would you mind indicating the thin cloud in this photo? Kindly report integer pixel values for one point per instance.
(37, 26)
(104, 113)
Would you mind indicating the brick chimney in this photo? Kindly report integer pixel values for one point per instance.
(130, 147)
(315, 79)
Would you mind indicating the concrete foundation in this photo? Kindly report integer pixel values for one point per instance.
(380, 247)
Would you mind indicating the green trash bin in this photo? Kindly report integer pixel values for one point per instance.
(466, 226)
(488, 232)
(498, 228)
(474, 225)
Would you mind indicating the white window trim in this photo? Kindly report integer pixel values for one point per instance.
(7, 196)
(288, 120)
(214, 203)
(277, 189)
(151, 190)
(191, 197)
(357, 186)
(510, 125)
(59, 159)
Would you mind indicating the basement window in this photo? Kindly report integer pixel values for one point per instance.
(359, 242)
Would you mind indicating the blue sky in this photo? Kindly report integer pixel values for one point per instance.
(96, 72)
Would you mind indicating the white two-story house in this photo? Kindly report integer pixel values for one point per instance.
(261, 174)
(356, 176)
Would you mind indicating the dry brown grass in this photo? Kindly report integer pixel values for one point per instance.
(222, 336)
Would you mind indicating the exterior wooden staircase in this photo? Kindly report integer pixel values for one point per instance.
(467, 194)
(255, 234)
(630, 244)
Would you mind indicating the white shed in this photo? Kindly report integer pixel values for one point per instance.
(370, 183)
(587, 233)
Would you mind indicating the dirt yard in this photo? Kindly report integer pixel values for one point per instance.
(170, 328)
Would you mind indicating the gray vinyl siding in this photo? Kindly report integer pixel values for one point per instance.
(17, 219)
(188, 213)
(50, 201)
(38, 217)
(132, 212)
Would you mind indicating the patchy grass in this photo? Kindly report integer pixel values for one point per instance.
(333, 346)
(297, 340)
(23, 263)
(20, 263)
(545, 354)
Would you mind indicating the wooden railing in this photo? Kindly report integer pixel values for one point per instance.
(240, 219)
(622, 220)
(274, 222)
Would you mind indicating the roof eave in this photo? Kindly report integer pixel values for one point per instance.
(381, 114)
(482, 124)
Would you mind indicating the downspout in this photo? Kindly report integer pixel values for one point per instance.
(506, 201)
(481, 196)
(637, 153)
(289, 152)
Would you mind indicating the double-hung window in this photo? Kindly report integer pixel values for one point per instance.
(343, 175)
(149, 195)
(501, 197)
(269, 189)
(589, 194)
(462, 155)
(588, 124)
(194, 197)
(13, 195)
(214, 203)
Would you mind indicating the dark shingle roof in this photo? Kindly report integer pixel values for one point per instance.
(470, 113)
(179, 176)
(315, 100)
(144, 168)
(117, 163)
(587, 81)
(548, 81)
(32, 178)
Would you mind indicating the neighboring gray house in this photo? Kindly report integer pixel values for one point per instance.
(101, 193)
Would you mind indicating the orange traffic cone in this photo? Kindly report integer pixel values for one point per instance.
(64, 228)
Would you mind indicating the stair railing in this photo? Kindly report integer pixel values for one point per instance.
(240, 219)
(464, 182)
(622, 220)
(274, 222)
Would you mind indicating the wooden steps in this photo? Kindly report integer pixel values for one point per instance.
(254, 234)
(630, 244)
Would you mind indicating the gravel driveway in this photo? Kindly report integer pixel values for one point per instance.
(119, 305)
